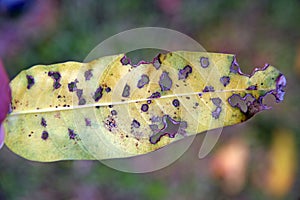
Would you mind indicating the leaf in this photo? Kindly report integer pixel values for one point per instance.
(283, 164)
(110, 109)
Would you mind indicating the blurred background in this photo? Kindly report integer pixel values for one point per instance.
(254, 160)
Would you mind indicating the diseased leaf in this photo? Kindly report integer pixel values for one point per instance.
(110, 109)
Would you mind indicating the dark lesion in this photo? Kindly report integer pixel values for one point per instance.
(157, 62)
(98, 94)
(88, 74)
(125, 61)
(45, 135)
(165, 81)
(72, 134)
(72, 85)
(208, 89)
(155, 95)
(184, 73)
(252, 87)
(126, 91)
(144, 80)
(56, 77)
(216, 113)
(135, 124)
(171, 128)
(217, 102)
(225, 80)
(43, 122)
(204, 62)
(176, 103)
(30, 81)
(248, 104)
(144, 107)
(81, 100)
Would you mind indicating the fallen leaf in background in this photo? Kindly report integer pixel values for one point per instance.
(110, 109)
(283, 161)
(229, 165)
(5, 99)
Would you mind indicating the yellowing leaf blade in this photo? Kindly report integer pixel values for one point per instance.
(110, 109)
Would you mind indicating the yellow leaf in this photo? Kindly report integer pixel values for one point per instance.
(109, 108)
(283, 159)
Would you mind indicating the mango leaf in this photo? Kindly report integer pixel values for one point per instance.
(109, 108)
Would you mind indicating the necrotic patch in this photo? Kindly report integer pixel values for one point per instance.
(81, 100)
(45, 135)
(126, 91)
(144, 80)
(234, 68)
(30, 81)
(157, 62)
(72, 86)
(72, 134)
(88, 74)
(98, 94)
(252, 87)
(216, 101)
(204, 61)
(225, 80)
(183, 73)
(216, 112)
(135, 124)
(79, 93)
(175, 103)
(165, 81)
(248, 104)
(144, 107)
(155, 95)
(43, 122)
(171, 128)
(208, 89)
(56, 77)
